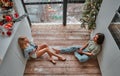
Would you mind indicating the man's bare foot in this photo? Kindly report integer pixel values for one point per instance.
(52, 60)
(56, 51)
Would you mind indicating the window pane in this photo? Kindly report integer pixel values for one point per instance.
(46, 13)
(74, 13)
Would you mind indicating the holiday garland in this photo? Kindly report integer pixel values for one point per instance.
(8, 16)
(90, 12)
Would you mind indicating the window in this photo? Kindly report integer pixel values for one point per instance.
(115, 27)
(54, 11)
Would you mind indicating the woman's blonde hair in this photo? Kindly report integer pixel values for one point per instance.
(21, 42)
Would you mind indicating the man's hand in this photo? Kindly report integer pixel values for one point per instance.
(80, 51)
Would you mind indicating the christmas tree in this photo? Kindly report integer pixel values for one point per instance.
(90, 12)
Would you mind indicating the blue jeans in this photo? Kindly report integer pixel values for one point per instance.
(80, 57)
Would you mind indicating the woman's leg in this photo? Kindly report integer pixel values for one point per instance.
(56, 55)
(81, 58)
(67, 50)
(57, 51)
(42, 46)
(50, 53)
(43, 51)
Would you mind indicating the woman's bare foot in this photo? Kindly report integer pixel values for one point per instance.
(56, 51)
(62, 58)
(52, 60)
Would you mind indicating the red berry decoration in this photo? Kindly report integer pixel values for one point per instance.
(5, 0)
(9, 33)
(3, 33)
(10, 3)
(16, 15)
(8, 18)
(1, 23)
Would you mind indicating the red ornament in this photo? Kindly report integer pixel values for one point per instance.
(7, 27)
(9, 33)
(8, 18)
(10, 24)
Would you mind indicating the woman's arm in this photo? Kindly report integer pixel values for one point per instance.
(33, 44)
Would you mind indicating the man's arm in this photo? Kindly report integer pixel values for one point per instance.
(80, 50)
(87, 53)
(92, 53)
(84, 46)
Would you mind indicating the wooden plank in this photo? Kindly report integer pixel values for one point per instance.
(60, 43)
(60, 35)
(58, 30)
(60, 27)
(63, 75)
(62, 64)
(66, 71)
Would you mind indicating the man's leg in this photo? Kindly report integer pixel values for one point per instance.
(81, 58)
(69, 49)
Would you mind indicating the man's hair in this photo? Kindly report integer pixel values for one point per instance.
(100, 38)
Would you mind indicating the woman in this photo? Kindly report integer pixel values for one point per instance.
(35, 51)
(90, 49)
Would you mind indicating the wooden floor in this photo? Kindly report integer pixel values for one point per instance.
(58, 36)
